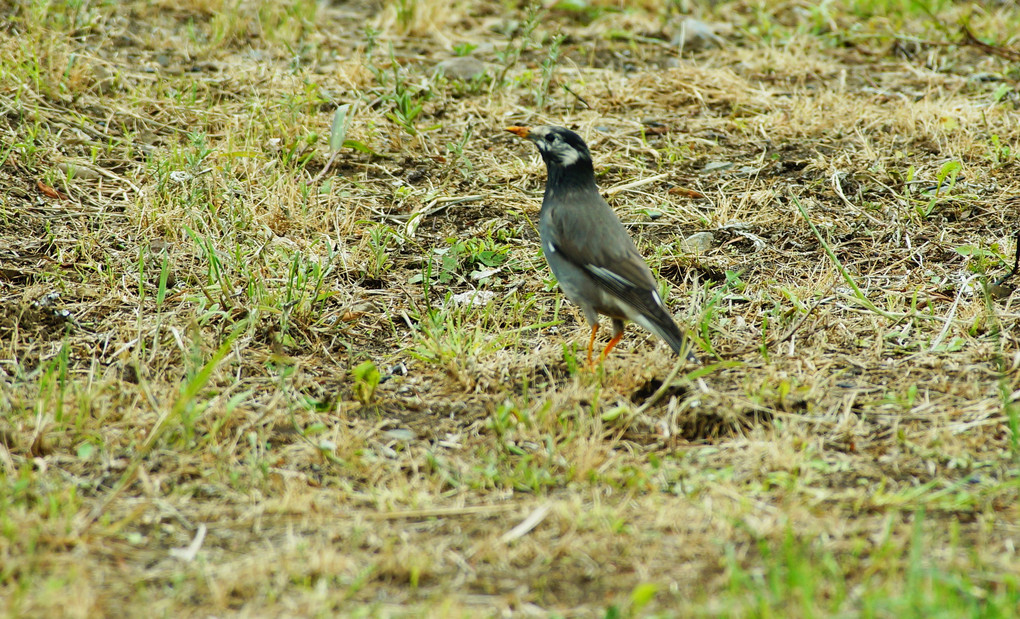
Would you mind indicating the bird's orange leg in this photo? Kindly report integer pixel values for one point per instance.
(613, 342)
(591, 342)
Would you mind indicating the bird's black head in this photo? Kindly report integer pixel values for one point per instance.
(562, 149)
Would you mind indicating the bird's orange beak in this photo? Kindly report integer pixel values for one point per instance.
(521, 132)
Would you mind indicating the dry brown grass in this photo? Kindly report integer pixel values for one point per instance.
(183, 318)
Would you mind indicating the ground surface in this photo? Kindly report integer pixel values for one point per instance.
(259, 356)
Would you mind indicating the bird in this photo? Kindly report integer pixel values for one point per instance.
(589, 251)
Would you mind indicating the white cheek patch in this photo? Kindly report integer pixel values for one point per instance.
(566, 155)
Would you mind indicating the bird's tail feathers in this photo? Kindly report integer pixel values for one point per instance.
(659, 322)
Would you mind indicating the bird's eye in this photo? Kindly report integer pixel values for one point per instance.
(553, 138)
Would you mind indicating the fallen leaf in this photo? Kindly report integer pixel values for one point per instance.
(684, 191)
(50, 192)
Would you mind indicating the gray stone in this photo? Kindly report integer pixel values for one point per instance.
(694, 34)
(461, 68)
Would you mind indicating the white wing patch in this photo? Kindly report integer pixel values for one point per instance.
(607, 274)
(658, 299)
(550, 248)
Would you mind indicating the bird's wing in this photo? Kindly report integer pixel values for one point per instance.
(607, 254)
